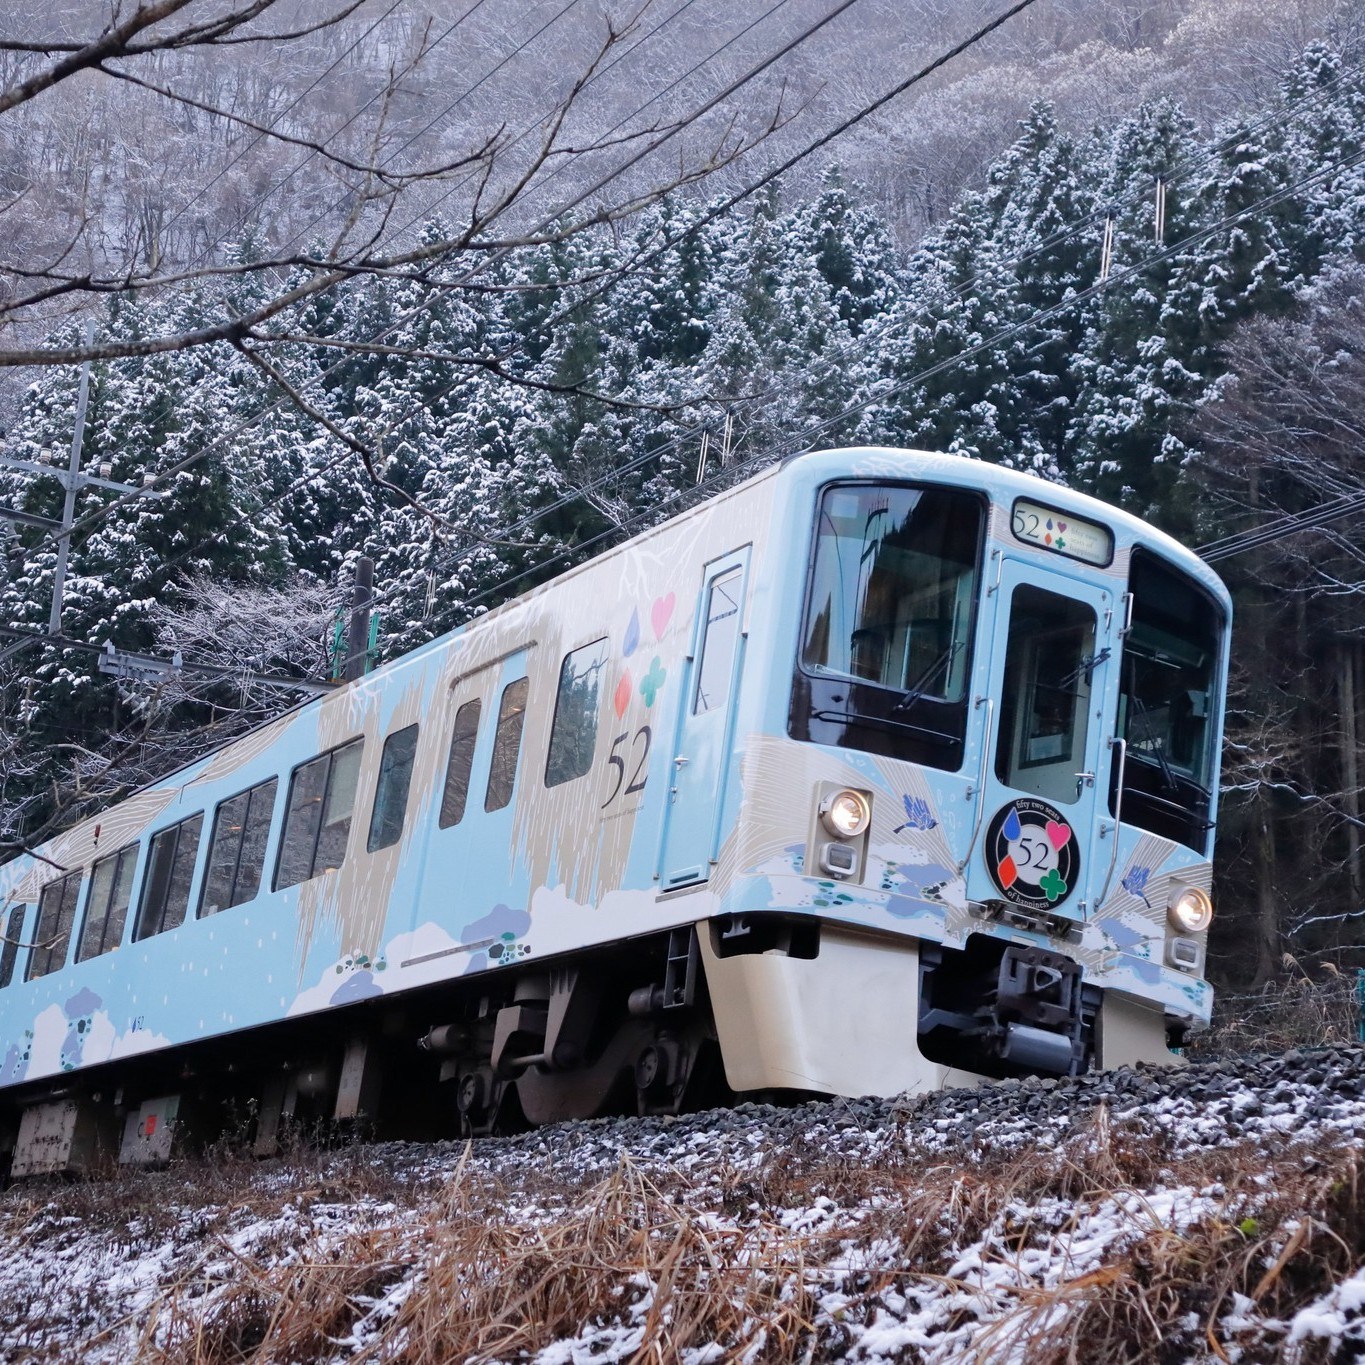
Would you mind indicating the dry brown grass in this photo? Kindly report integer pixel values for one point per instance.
(1298, 1010)
(672, 1267)
(350, 1258)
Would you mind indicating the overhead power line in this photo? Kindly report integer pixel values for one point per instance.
(881, 101)
(629, 118)
(240, 428)
(449, 108)
(1281, 527)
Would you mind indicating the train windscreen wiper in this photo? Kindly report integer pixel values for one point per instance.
(887, 722)
(1158, 751)
(919, 688)
(1087, 666)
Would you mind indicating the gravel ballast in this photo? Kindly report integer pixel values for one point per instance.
(1192, 1213)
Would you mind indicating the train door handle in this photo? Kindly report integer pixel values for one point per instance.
(680, 762)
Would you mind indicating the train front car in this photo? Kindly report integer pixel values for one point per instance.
(979, 785)
(881, 770)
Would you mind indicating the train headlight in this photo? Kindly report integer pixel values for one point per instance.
(846, 814)
(1191, 911)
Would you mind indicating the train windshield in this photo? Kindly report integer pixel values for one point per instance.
(1168, 702)
(886, 646)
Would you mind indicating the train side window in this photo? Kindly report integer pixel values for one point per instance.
(1168, 704)
(391, 791)
(56, 915)
(719, 643)
(502, 770)
(573, 734)
(241, 827)
(458, 766)
(106, 907)
(9, 950)
(317, 822)
(166, 883)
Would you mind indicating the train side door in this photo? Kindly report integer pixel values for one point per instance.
(700, 759)
(1057, 645)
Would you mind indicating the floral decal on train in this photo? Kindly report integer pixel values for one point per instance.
(653, 681)
(917, 815)
(1032, 854)
(1135, 883)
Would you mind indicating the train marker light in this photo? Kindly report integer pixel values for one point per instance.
(1191, 911)
(846, 814)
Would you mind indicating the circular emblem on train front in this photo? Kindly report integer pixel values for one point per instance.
(1032, 854)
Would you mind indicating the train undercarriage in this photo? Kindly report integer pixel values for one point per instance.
(771, 1005)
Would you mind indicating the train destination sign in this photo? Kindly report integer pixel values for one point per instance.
(1062, 533)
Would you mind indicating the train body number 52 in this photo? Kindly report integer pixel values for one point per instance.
(633, 752)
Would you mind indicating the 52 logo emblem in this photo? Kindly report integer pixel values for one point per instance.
(1032, 854)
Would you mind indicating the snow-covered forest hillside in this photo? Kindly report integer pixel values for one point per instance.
(978, 268)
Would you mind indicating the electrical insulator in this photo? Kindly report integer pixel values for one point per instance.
(106, 470)
(148, 480)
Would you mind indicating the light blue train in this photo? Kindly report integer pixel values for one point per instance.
(881, 771)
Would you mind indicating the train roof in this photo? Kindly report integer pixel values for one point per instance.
(1007, 484)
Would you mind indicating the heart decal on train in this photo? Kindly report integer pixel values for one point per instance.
(1058, 835)
(661, 613)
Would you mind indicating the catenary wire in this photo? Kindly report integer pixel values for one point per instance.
(995, 339)
(238, 429)
(822, 141)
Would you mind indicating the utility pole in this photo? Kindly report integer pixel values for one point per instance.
(358, 637)
(117, 663)
(54, 620)
(73, 480)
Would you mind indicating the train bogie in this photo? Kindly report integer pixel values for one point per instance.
(882, 771)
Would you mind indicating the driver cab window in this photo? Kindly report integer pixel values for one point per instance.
(1168, 704)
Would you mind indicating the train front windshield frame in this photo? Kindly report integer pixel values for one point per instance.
(889, 621)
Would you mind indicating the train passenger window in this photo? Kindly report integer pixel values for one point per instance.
(461, 760)
(166, 883)
(1045, 711)
(391, 791)
(720, 640)
(573, 735)
(317, 822)
(9, 950)
(502, 770)
(241, 828)
(1168, 703)
(56, 914)
(106, 908)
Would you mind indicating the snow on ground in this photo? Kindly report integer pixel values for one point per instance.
(1207, 1213)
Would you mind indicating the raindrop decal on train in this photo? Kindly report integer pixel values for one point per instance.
(621, 698)
(632, 639)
